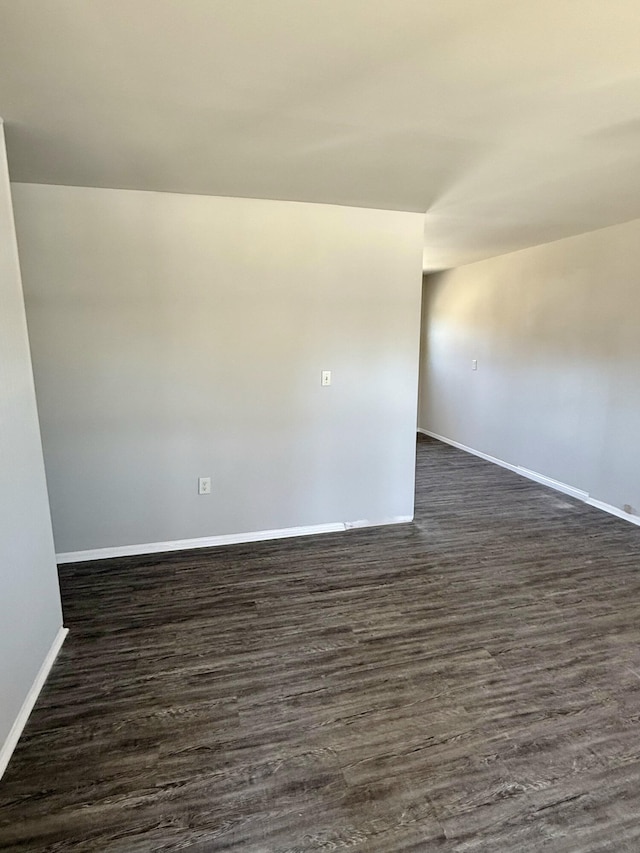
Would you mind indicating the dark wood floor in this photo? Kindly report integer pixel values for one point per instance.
(470, 682)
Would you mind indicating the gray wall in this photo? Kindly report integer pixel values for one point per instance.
(30, 614)
(179, 336)
(556, 332)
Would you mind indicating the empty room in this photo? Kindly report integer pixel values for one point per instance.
(319, 426)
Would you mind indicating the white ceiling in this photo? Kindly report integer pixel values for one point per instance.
(510, 122)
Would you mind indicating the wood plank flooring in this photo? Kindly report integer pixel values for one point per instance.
(470, 682)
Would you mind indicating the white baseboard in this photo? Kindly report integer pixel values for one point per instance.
(216, 541)
(517, 469)
(397, 519)
(540, 478)
(6, 751)
(613, 510)
(552, 484)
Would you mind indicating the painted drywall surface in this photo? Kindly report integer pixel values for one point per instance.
(555, 332)
(179, 336)
(30, 613)
(511, 123)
